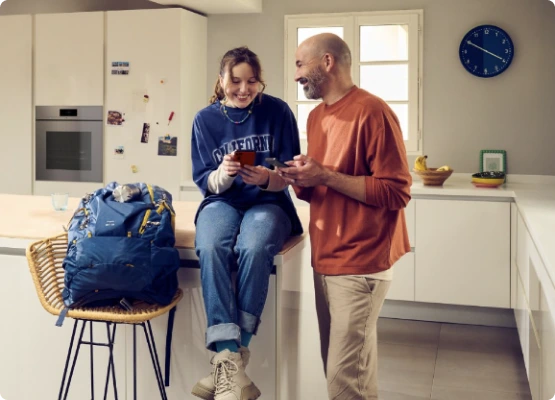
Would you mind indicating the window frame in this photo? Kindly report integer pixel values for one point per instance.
(351, 23)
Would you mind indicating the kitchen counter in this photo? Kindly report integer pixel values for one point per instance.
(29, 218)
(32, 217)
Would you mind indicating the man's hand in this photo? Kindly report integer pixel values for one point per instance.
(305, 171)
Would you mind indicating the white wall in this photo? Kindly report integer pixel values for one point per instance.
(514, 111)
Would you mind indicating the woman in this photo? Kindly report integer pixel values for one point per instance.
(245, 218)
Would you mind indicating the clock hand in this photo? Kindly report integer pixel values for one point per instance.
(484, 50)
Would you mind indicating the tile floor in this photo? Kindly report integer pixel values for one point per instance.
(428, 360)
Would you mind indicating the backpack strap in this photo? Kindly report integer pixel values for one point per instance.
(147, 212)
(62, 316)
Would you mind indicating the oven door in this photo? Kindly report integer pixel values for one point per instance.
(69, 151)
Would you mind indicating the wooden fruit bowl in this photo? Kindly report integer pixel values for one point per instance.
(431, 177)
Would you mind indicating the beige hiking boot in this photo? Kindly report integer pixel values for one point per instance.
(205, 388)
(232, 383)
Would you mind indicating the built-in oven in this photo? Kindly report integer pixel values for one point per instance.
(69, 144)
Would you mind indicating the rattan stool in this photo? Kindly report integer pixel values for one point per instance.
(45, 259)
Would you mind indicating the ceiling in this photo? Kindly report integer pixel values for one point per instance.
(216, 6)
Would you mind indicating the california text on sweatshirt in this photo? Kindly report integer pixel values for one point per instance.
(271, 131)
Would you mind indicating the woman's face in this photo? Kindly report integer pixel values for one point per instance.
(240, 87)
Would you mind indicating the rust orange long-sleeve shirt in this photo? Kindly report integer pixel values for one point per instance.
(360, 136)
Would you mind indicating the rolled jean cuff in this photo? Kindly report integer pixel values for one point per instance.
(248, 322)
(220, 333)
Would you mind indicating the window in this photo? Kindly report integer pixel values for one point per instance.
(386, 50)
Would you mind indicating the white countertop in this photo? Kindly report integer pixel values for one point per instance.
(31, 217)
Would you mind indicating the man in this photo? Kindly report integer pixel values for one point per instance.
(355, 177)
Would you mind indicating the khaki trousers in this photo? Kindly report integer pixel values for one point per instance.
(348, 308)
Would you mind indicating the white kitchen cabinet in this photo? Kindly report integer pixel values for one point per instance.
(514, 268)
(16, 104)
(69, 59)
(534, 361)
(462, 252)
(522, 321)
(32, 343)
(534, 313)
(402, 285)
(523, 245)
(534, 350)
(547, 344)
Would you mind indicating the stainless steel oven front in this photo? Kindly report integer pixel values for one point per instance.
(69, 144)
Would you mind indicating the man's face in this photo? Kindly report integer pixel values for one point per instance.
(310, 74)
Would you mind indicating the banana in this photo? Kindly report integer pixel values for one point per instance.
(420, 163)
(444, 168)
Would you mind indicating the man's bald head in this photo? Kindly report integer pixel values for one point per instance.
(323, 43)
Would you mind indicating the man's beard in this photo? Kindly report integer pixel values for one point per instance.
(316, 79)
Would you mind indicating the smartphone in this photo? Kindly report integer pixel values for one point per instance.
(245, 157)
(276, 163)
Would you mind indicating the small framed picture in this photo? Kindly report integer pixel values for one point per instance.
(493, 160)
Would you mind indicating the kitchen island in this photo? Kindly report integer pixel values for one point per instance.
(31, 218)
(527, 289)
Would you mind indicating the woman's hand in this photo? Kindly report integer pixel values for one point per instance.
(258, 175)
(230, 166)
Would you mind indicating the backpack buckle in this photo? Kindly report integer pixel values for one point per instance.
(124, 303)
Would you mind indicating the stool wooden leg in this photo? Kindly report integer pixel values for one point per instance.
(154, 357)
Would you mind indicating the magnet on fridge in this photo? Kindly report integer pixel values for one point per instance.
(146, 132)
(146, 98)
(119, 152)
(163, 81)
(134, 169)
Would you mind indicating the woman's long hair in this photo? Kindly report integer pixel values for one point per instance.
(232, 58)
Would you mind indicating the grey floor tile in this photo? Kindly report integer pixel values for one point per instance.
(443, 393)
(407, 332)
(406, 369)
(385, 395)
(478, 338)
(477, 370)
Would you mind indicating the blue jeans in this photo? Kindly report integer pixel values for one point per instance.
(228, 239)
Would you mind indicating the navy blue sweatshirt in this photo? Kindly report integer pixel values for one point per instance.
(271, 130)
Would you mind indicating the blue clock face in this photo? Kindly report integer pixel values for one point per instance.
(486, 51)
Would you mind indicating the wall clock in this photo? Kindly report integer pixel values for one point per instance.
(486, 51)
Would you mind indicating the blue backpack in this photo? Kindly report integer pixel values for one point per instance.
(121, 250)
